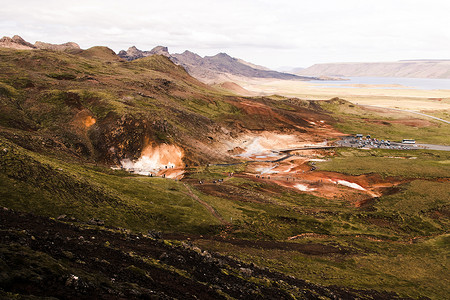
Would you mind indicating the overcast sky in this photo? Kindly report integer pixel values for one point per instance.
(296, 33)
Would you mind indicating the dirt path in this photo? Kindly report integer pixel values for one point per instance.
(206, 205)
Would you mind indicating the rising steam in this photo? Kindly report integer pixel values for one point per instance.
(156, 159)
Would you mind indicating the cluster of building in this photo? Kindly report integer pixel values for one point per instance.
(361, 141)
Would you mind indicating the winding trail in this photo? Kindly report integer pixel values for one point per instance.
(206, 205)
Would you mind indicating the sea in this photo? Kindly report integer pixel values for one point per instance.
(386, 83)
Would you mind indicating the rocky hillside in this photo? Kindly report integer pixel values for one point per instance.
(211, 69)
(407, 68)
(99, 107)
(221, 66)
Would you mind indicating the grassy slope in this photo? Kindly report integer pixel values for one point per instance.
(51, 187)
(49, 93)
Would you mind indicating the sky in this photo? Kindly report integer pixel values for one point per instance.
(296, 33)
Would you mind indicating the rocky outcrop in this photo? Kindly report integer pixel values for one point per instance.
(16, 42)
(160, 50)
(134, 53)
(55, 47)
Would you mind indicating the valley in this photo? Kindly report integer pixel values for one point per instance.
(134, 180)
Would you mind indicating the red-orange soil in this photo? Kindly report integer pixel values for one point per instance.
(298, 174)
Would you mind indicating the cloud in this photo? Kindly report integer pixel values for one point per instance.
(270, 32)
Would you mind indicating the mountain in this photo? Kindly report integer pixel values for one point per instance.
(16, 42)
(222, 67)
(290, 69)
(258, 67)
(405, 68)
(134, 53)
(211, 69)
(70, 46)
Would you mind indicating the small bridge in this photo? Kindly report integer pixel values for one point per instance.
(305, 148)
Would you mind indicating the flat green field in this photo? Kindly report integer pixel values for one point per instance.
(387, 124)
(407, 163)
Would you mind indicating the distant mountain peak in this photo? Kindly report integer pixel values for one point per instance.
(134, 53)
(56, 47)
(132, 48)
(222, 54)
(16, 42)
(189, 54)
(160, 50)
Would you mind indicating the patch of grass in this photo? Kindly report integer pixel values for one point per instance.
(213, 172)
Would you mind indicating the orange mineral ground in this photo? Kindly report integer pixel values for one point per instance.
(296, 173)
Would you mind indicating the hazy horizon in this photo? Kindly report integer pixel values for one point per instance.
(262, 32)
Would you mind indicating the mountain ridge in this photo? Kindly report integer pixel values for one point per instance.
(18, 43)
(422, 68)
(211, 69)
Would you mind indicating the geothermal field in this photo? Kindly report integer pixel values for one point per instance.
(122, 176)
